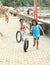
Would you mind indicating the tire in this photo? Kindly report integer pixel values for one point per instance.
(26, 45)
(18, 32)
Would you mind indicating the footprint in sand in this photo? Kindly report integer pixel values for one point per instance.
(3, 37)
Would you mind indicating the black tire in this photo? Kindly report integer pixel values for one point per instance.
(26, 45)
(18, 32)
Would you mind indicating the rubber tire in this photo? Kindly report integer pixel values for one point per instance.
(20, 36)
(26, 45)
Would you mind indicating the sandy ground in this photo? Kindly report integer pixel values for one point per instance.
(11, 52)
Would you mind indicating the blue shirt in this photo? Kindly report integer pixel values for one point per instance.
(36, 31)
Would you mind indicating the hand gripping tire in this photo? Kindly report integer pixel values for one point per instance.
(26, 45)
(18, 32)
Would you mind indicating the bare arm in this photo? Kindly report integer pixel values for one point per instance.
(29, 29)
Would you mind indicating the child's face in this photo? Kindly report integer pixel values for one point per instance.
(34, 23)
(21, 21)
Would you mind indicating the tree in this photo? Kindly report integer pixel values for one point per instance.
(1, 3)
(41, 3)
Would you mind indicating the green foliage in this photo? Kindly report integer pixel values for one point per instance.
(17, 2)
(41, 3)
(44, 3)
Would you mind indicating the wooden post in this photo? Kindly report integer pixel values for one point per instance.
(35, 9)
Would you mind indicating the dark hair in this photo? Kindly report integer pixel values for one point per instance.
(35, 21)
(20, 19)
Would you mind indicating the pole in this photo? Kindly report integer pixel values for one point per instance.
(35, 9)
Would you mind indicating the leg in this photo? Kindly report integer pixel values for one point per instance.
(37, 43)
(7, 19)
(34, 42)
(22, 35)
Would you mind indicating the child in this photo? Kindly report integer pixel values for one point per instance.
(22, 28)
(7, 16)
(35, 29)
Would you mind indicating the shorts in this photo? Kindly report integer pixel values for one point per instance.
(23, 34)
(36, 38)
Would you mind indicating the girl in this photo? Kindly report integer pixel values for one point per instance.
(35, 29)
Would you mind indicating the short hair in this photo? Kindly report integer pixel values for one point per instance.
(20, 19)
